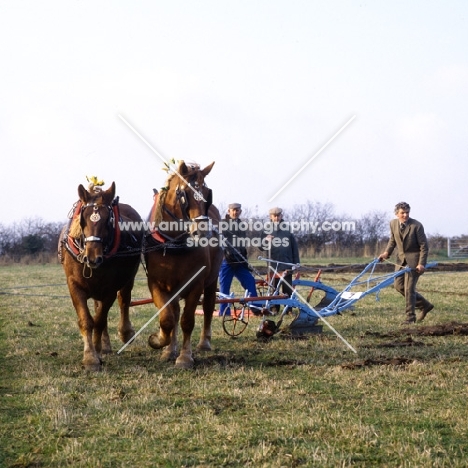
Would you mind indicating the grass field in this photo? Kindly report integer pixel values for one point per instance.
(400, 401)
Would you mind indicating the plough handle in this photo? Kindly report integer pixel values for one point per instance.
(317, 278)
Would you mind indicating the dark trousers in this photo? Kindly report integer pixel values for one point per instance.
(406, 286)
(285, 289)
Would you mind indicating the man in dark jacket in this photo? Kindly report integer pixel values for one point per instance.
(282, 247)
(235, 263)
(408, 236)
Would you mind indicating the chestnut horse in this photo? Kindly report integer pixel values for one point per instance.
(101, 259)
(183, 256)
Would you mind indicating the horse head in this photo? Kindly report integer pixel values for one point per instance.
(188, 198)
(97, 223)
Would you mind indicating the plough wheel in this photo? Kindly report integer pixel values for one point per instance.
(237, 322)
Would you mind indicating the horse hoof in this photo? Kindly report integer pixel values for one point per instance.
(127, 335)
(154, 342)
(92, 367)
(168, 355)
(184, 362)
(204, 347)
(92, 362)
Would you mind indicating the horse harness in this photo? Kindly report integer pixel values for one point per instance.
(111, 245)
(155, 239)
(181, 197)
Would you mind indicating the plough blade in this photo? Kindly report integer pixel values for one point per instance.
(304, 323)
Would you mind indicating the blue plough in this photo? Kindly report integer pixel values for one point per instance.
(332, 303)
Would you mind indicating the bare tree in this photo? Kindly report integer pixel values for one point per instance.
(313, 215)
(29, 237)
(373, 227)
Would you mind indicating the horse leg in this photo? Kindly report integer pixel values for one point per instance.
(106, 347)
(187, 323)
(209, 301)
(91, 359)
(168, 328)
(124, 296)
(101, 338)
(169, 353)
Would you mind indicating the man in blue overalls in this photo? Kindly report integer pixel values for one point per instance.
(235, 264)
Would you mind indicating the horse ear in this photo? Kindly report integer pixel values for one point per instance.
(182, 169)
(207, 169)
(109, 194)
(83, 194)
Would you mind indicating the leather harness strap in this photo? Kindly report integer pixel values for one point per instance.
(71, 243)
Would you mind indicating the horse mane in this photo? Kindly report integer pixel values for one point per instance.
(75, 230)
(159, 206)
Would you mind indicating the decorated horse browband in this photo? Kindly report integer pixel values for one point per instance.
(95, 216)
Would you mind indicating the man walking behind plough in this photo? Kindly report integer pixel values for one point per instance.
(407, 234)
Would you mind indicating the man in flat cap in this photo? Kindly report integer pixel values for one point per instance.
(408, 237)
(282, 247)
(235, 264)
(276, 211)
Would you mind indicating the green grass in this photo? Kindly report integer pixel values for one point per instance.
(285, 403)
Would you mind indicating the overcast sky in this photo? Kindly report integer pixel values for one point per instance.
(259, 86)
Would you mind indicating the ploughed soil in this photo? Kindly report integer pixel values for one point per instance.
(403, 338)
(444, 329)
(407, 336)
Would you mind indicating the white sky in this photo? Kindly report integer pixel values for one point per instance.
(259, 86)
